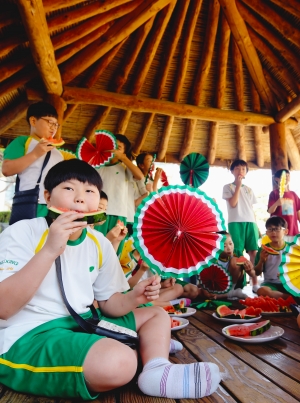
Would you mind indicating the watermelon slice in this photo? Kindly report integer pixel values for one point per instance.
(252, 329)
(92, 217)
(121, 224)
(240, 261)
(270, 250)
(55, 142)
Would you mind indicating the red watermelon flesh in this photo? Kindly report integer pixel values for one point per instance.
(223, 311)
(241, 260)
(270, 250)
(252, 329)
(92, 217)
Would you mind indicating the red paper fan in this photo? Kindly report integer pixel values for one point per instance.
(164, 179)
(175, 230)
(102, 153)
(215, 279)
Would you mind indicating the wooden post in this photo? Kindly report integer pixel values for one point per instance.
(278, 151)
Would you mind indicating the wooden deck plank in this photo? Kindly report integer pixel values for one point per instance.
(246, 377)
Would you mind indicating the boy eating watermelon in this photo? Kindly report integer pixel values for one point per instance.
(42, 349)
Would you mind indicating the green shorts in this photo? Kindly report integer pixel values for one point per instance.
(275, 287)
(244, 236)
(48, 360)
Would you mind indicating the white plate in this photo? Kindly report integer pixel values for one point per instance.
(189, 312)
(277, 313)
(237, 321)
(183, 323)
(271, 334)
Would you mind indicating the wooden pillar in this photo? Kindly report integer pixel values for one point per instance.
(278, 151)
(60, 106)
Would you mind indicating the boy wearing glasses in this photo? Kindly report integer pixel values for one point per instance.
(276, 228)
(25, 155)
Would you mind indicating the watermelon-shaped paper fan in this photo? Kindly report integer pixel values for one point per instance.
(282, 184)
(100, 154)
(194, 170)
(289, 269)
(215, 279)
(164, 179)
(67, 154)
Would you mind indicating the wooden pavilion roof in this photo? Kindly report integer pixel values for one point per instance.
(175, 77)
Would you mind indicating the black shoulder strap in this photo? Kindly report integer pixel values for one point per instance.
(39, 179)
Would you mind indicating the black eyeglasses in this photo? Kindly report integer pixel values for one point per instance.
(52, 125)
(275, 229)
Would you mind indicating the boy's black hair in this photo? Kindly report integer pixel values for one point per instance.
(72, 169)
(277, 222)
(140, 158)
(237, 163)
(103, 195)
(279, 172)
(123, 139)
(40, 109)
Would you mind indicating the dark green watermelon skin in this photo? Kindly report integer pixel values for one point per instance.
(91, 219)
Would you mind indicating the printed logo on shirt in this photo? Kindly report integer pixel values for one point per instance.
(91, 268)
(7, 268)
(10, 262)
(287, 207)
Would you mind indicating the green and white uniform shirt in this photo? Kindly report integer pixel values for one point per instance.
(23, 145)
(243, 211)
(90, 270)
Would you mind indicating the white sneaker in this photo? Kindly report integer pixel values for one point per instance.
(236, 294)
(255, 288)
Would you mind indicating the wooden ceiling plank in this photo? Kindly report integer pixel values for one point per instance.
(175, 34)
(120, 30)
(277, 66)
(292, 6)
(292, 149)
(53, 5)
(96, 122)
(12, 66)
(259, 152)
(241, 35)
(277, 88)
(193, 13)
(34, 21)
(18, 80)
(142, 104)
(203, 70)
(154, 39)
(289, 110)
(276, 20)
(13, 115)
(221, 87)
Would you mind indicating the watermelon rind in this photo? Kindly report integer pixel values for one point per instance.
(93, 217)
(241, 331)
(270, 250)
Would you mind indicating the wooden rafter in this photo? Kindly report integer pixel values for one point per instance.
(289, 110)
(292, 149)
(177, 26)
(241, 35)
(203, 70)
(259, 152)
(220, 88)
(120, 30)
(277, 21)
(154, 39)
(13, 115)
(139, 38)
(193, 13)
(34, 21)
(292, 6)
(277, 88)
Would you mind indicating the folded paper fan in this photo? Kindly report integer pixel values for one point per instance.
(289, 269)
(282, 184)
(164, 179)
(176, 231)
(100, 154)
(194, 170)
(215, 279)
(67, 154)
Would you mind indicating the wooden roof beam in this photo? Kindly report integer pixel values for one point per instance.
(120, 30)
(11, 116)
(292, 149)
(139, 38)
(292, 6)
(241, 35)
(289, 110)
(177, 26)
(34, 21)
(194, 10)
(221, 87)
(259, 151)
(277, 88)
(202, 73)
(156, 34)
(277, 21)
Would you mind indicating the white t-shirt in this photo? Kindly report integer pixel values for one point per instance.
(243, 211)
(90, 269)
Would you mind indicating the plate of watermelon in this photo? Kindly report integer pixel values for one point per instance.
(270, 306)
(253, 333)
(247, 315)
(177, 324)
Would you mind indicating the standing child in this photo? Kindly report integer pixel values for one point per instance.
(36, 332)
(241, 220)
(276, 228)
(144, 162)
(25, 155)
(287, 207)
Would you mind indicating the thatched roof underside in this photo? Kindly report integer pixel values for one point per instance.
(175, 77)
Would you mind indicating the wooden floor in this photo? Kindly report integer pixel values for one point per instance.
(266, 372)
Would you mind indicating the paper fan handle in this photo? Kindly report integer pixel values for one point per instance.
(191, 177)
(282, 184)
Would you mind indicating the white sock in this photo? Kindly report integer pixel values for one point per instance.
(236, 293)
(175, 346)
(187, 301)
(179, 381)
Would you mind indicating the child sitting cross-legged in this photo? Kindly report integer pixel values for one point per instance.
(36, 331)
(268, 264)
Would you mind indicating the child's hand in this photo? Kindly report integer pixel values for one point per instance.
(248, 266)
(147, 290)
(239, 180)
(42, 148)
(206, 295)
(60, 231)
(119, 154)
(117, 233)
(263, 256)
(158, 173)
(149, 187)
(169, 282)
